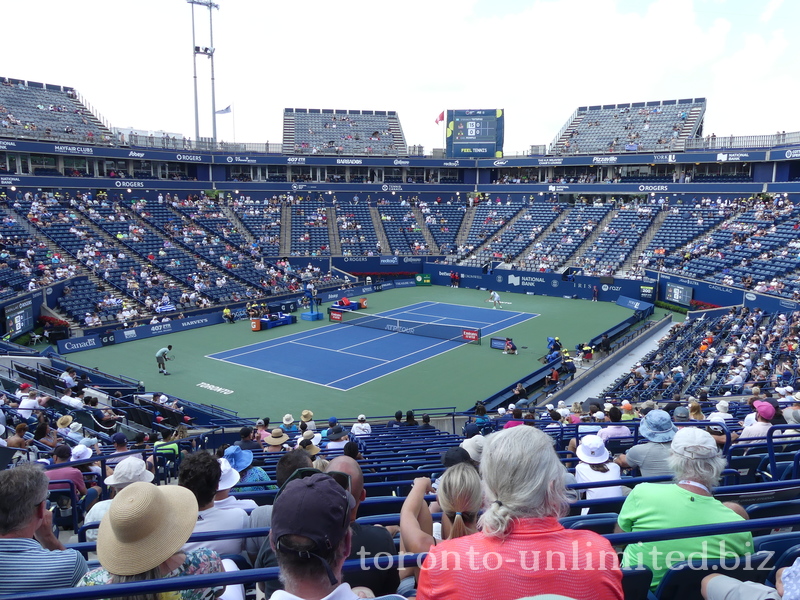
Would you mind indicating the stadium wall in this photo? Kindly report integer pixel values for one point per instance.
(542, 284)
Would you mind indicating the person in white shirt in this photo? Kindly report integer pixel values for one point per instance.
(229, 477)
(200, 472)
(595, 467)
(757, 432)
(29, 404)
(128, 471)
(337, 438)
(361, 427)
(71, 400)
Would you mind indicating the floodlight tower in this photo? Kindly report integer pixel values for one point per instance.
(207, 51)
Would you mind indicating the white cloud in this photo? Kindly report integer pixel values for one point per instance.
(770, 10)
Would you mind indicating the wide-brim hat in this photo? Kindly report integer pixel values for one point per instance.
(229, 477)
(75, 427)
(81, 452)
(309, 447)
(336, 433)
(130, 470)
(64, 421)
(306, 416)
(276, 438)
(144, 526)
(288, 419)
(657, 426)
(240, 459)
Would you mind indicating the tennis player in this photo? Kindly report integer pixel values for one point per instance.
(162, 357)
(494, 298)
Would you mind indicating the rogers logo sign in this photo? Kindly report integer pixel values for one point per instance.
(129, 184)
(189, 157)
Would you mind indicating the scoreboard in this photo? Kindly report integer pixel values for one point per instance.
(679, 294)
(475, 133)
(19, 317)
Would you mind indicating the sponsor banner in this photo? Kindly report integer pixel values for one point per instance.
(137, 333)
(770, 304)
(119, 185)
(322, 161)
(634, 304)
(637, 159)
(400, 283)
(334, 295)
(89, 342)
(788, 154)
(530, 282)
(70, 149)
(625, 188)
(469, 335)
(379, 264)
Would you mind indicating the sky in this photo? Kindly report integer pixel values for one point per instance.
(538, 60)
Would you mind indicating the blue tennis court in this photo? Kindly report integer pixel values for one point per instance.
(344, 356)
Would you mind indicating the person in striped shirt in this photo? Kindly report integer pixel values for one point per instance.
(31, 557)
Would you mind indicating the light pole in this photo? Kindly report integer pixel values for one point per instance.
(209, 52)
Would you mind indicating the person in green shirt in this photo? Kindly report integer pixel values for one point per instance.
(697, 465)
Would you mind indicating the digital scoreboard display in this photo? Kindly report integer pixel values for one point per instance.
(476, 133)
(679, 294)
(19, 317)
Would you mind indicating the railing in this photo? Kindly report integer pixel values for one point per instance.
(744, 141)
(379, 562)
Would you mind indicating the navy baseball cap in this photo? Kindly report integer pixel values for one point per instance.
(314, 507)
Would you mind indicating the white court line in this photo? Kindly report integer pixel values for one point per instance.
(400, 368)
(276, 373)
(267, 345)
(343, 352)
(522, 312)
(368, 341)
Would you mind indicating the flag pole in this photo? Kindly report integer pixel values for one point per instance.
(233, 116)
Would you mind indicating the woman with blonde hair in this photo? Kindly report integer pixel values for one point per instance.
(460, 497)
(695, 412)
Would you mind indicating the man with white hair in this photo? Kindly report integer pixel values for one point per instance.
(696, 464)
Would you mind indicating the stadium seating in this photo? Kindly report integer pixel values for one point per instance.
(637, 126)
(342, 132)
(45, 111)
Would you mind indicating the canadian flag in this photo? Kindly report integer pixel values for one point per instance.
(440, 118)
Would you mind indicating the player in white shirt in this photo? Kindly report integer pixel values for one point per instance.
(494, 298)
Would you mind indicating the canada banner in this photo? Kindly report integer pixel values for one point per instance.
(440, 118)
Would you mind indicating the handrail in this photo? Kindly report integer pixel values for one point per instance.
(254, 575)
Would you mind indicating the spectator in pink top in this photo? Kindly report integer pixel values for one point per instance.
(613, 415)
(516, 419)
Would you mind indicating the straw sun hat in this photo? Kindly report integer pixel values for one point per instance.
(144, 526)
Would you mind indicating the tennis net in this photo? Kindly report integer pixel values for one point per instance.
(453, 333)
